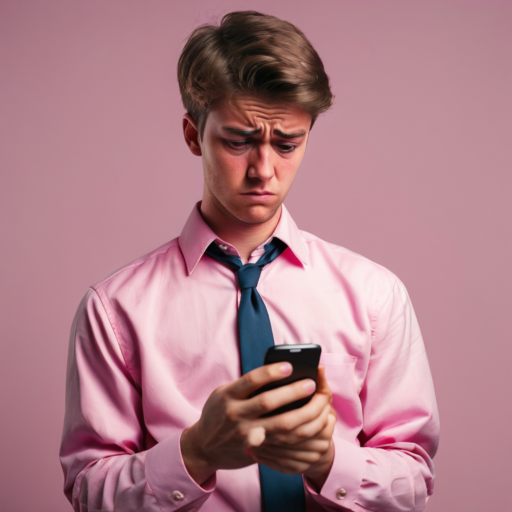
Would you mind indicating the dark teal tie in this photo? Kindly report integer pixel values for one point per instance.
(280, 492)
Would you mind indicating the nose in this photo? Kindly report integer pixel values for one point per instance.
(261, 163)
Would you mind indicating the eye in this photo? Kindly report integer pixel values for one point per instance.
(238, 144)
(287, 148)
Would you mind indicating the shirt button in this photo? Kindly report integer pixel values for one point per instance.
(177, 496)
(223, 247)
(341, 494)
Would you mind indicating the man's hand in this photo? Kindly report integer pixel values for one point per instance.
(230, 433)
(307, 447)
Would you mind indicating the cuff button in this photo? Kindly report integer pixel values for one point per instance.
(341, 494)
(177, 496)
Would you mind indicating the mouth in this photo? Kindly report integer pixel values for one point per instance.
(258, 195)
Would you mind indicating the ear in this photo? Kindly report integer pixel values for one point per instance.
(191, 134)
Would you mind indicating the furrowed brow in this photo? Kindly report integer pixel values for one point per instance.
(289, 135)
(240, 132)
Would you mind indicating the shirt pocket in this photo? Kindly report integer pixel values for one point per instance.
(341, 377)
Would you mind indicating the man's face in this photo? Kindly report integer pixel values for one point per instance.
(251, 151)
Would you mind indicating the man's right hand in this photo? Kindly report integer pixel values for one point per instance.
(231, 423)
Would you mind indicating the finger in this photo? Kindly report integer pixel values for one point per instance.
(290, 420)
(286, 466)
(303, 432)
(322, 386)
(312, 415)
(253, 380)
(270, 400)
(280, 453)
(312, 443)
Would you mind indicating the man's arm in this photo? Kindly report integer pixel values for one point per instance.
(103, 455)
(392, 470)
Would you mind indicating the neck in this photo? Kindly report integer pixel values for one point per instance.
(245, 237)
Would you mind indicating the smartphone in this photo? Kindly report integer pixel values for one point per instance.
(304, 359)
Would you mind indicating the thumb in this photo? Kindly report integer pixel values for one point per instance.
(322, 385)
(256, 436)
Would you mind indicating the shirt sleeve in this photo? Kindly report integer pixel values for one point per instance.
(105, 463)
(392, 469)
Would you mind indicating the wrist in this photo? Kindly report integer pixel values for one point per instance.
(194, 459)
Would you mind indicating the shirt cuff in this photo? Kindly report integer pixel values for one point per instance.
(344, 480)
(168, 477)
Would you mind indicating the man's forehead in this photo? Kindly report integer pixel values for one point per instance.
(255, 131)
(249, 113)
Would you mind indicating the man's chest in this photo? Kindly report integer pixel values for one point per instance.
(182, 337)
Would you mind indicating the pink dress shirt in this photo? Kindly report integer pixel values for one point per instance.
(150, 343)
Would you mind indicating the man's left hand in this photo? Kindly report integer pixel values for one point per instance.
(302, 444)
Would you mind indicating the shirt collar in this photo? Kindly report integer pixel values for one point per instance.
(196, 236)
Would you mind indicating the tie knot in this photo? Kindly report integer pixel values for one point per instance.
(248, 276)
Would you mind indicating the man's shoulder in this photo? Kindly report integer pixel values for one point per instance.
(147, 267)
(349, 264)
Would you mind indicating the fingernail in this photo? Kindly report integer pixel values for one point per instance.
(310, 386)
(286, 368)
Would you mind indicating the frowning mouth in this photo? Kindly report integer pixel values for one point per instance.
(258, 195)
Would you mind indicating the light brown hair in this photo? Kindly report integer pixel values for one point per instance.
(255, 53)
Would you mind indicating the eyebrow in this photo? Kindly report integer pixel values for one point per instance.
(289, 135)
(248, 133)
(239, 131)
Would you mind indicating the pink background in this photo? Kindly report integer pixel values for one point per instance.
(412, 168)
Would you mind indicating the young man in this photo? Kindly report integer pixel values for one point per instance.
(158, 414)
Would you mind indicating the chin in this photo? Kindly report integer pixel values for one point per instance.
(256, 214)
